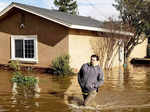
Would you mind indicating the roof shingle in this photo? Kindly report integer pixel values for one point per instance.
(62, 17)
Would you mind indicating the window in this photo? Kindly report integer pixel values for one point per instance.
(24, 48)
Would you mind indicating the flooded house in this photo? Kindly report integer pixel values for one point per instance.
(35, 36)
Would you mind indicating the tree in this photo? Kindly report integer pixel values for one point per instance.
(135, 15)
(68, 6)
(107, 45)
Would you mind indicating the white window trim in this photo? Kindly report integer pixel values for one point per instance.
(24, 37)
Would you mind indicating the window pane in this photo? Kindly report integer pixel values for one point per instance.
(29, 48)
(19, 48)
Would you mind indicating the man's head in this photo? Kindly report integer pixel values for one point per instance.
(94, 60)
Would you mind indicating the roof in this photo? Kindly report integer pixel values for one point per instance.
(65, 19)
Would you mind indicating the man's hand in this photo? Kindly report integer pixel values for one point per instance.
(93, 85)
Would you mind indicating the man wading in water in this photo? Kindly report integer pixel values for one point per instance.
(90, 78)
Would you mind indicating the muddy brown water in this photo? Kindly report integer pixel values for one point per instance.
(121, 92)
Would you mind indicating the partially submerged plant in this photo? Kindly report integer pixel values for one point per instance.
(61, 66)
(25, 84)
(24, 80)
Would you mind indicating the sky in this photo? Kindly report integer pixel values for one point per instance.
(97, 9)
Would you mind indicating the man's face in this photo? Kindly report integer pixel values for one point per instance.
(94, 61)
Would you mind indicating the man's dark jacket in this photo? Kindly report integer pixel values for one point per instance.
(90, 77)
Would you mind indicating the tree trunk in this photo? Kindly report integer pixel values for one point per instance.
(126, 61)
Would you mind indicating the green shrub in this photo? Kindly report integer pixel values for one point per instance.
(25, 84)
(61, 66)
(23, 80)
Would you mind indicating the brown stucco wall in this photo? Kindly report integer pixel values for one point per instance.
(81, 48)
(52, 37)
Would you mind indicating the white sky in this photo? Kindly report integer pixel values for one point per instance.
(98, 9)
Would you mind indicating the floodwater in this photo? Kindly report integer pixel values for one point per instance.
(121, 92)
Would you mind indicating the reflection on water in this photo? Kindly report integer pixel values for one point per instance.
(121, 92)
(42, 102)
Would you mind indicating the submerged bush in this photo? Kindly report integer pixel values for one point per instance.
(23, 80)
(61, 66)
(25, 84)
